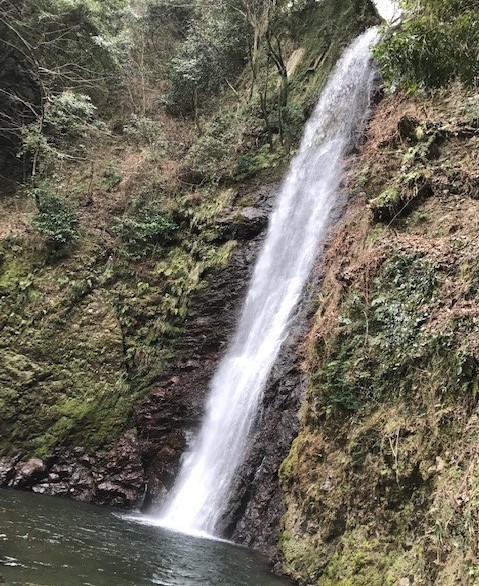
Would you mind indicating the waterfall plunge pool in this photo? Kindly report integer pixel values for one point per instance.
(49, 541)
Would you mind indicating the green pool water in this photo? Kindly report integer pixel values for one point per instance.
(46, 541)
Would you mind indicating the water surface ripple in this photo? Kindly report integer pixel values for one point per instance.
(46, 541)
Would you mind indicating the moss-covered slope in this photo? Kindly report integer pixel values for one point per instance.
(382, 481)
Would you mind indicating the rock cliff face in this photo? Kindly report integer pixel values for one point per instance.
(112, 477)
(141, 466)
(171, 413)
(256, 502)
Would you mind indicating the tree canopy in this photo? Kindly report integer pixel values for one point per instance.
(437, 44)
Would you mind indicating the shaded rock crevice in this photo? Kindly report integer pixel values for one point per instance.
(256, 503)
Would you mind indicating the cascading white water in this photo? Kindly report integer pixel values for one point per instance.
(297, 228)
(389, 10)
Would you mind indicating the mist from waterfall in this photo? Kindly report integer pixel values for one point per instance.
(296, 232)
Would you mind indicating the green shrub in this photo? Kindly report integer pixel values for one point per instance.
(68, 114)
(263, 158)
(111, 178)
(144, 228)
(436, 45)
(145, 130)
(213, 156)
(381, 341)
(55, 220)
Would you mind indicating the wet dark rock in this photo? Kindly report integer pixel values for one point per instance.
(245, 225)
(113, 477)
(172, 412)
(256, 503)
(27, 473)
(161, 421)
(7, 469)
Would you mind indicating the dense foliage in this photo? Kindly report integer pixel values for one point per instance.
(47, 50)
(147, 226)
(56, 220)
(213, 52)
(436, 45)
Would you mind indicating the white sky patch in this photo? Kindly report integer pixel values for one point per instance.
(388, 9)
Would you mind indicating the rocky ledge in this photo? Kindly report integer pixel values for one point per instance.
(112, 477)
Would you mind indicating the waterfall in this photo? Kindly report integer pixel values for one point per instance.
(296, 231)
(389, 10)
